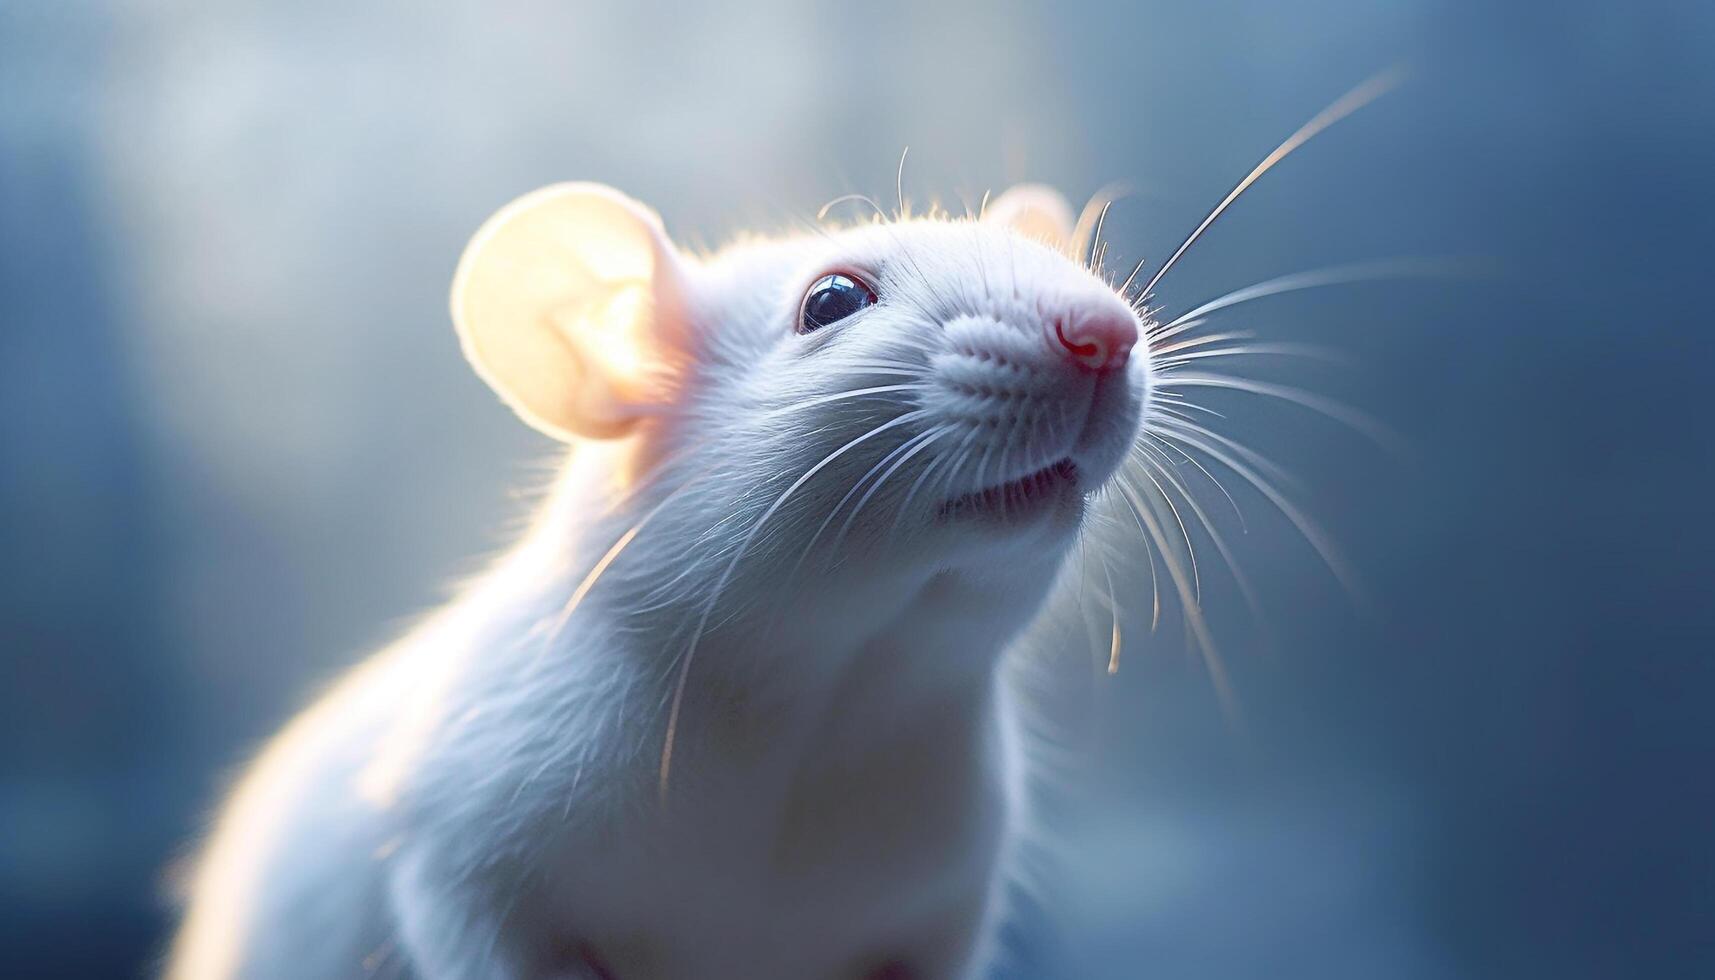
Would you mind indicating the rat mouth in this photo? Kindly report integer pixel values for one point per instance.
(1021, 497)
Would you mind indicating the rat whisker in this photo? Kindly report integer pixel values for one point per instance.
(1253, 350)
(1158, 333)
(1358, 421)
(926, 440)
(1312, 532)
(1093, 260)
(808, 224)
(813, 401)
(1177, 403)
(879, 365)
(1238, 513)
(849, 494)
(603, 563)
(822, 213)
(1114, 641)
(899, 183)
(1149, 555)
(1178, 430)
(981, 473)
(1206, 339)
(1219, 540)
(1154, 585)
(904, 508)
(1190, 550)
(1367, 92)
(1131, 276)
(1196, 629)
(958, 467)
(952, 461)
(1087, 229)
(1381, 269)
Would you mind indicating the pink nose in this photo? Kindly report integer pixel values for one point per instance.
(1100, 341)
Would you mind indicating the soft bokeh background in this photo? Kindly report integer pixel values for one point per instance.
(238, 447)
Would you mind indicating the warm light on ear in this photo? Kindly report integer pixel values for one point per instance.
(566, 303)
(616, 337)
(610, 335)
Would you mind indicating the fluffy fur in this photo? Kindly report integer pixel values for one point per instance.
(782, 583)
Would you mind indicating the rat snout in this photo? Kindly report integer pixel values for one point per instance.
(1099, 339)
(1035, 400)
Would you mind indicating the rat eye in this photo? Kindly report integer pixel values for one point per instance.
(831, 299)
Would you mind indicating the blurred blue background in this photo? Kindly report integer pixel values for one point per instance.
(238, 447)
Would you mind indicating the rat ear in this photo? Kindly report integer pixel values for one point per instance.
(569, 302)
(1035, 211)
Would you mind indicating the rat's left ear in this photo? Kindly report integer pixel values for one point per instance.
(570, 303)
(1035, 211)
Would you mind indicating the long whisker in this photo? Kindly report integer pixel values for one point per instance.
(1367, 92)
(1190, 550)
(849, 494)
(924, 442)
(1240, 514)
(1188, 605)
(1179, 430)
(551, 629)
(952, 461)
(601, 566)
(1252, 350)
(799, 406)
(946, 481)
(1316, 278)
(1149, 553)
(1239, 577)
(1128, 279)
(1213, 338)
(1178, 404)
(899, 183)
(1313, 532)
(1377, 432)
(1114, 615)
(878, 366)
(1086, 234)
(1159, 334)
(822, 214)
(1094, 259)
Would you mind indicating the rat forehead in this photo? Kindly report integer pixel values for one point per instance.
(929, 262)
(906, 251)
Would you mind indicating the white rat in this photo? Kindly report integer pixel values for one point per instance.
(732, 708)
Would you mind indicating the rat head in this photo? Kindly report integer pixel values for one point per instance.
(917, 396)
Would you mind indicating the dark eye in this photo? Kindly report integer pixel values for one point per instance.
(831, 299)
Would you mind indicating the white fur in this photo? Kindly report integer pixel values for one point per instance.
(483, 800)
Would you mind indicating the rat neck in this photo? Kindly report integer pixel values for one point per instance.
(829, 694)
